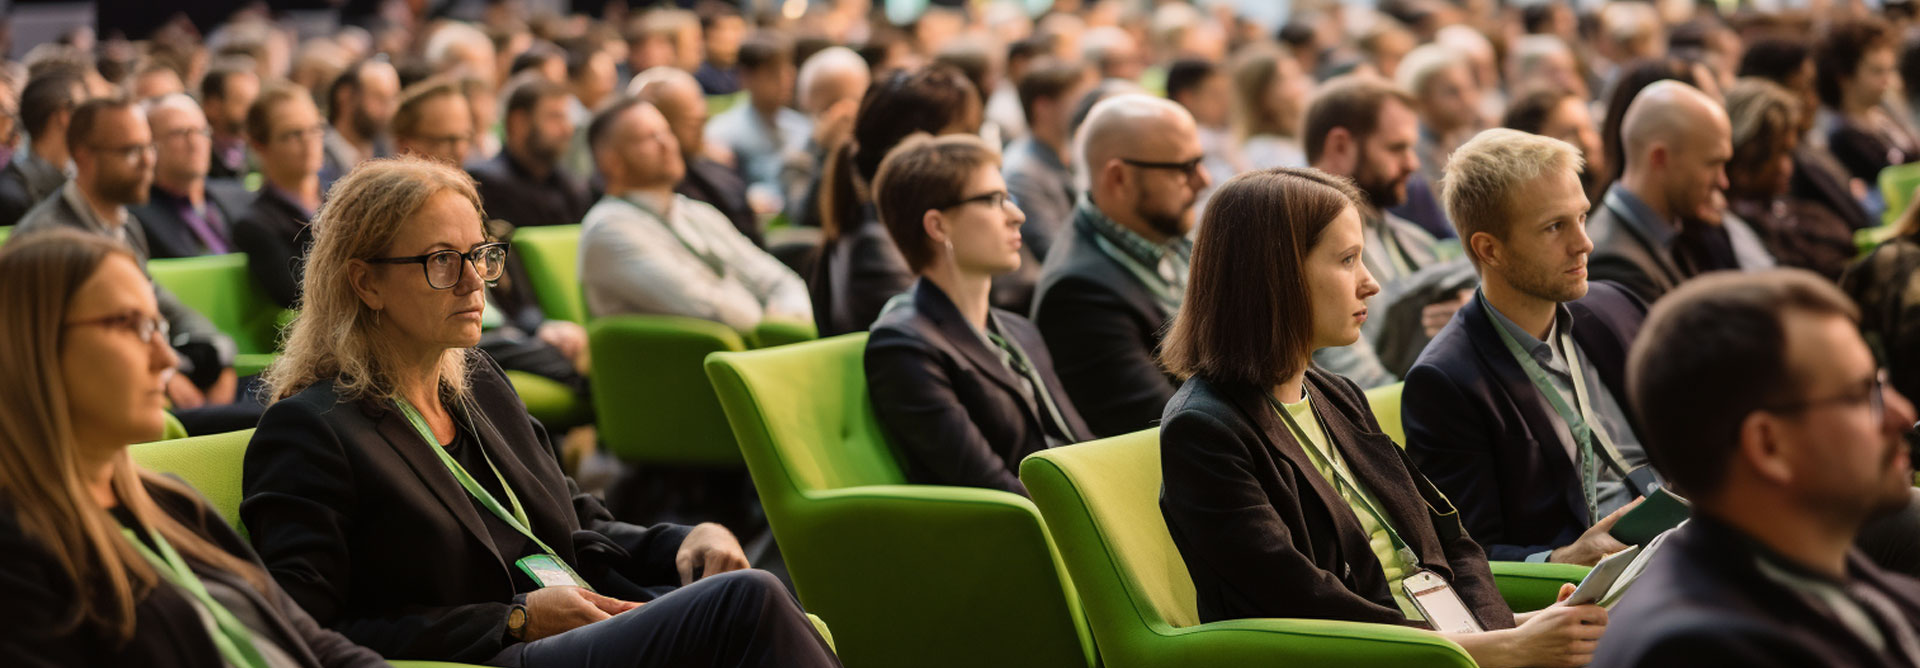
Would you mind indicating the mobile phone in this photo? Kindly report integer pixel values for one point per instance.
(1436, 600)
(1601, 578)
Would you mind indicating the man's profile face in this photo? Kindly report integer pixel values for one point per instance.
(1845, 459)
(121, 155)
(1386, 159)
(1545, 246)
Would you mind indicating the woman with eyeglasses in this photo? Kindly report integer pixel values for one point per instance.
(101, 563)
(963, 390)
(404, 497)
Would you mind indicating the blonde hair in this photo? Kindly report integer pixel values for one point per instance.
(1418, 68)
(335, 336)
(41, 477)
(1482, 174)
(1255, 70)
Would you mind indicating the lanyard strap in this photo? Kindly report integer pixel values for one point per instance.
(231, 637)
(1024, 367)
(1396, 253)
(1157, 282)
(1578, 417)
(516, 518)
(705, 253)
(1340, 476)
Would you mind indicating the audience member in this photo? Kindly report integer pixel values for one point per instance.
(723, 32)
(1446, 100)
(646, 249)
(186, 213)
(1764, 125)
(1036, 165)
(677, 95)
(46, 109)
(590, 81)
(1281, 494)
(1762, 405)
(1676, 146)
(1854, 66)
(360, 105)
(964, 391)
(761, 129)
(434, 122)
(379, 362)
(286, 134)
(225, 94)
(1270, 95)
(1883, 286)
(1564, 116)
(526, 184)
(1817, 176)
(1118, 275)
(828, 90)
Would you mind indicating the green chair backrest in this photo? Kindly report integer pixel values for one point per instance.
(212, 464)
(1386, 409)
(219, 287)
(551, 254)
(1897, 184)
(5, 231)
(651, 397)
(911, 575)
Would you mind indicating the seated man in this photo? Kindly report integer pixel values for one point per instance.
(187, 213)
(46, 107)
(1536, 465)
(526, 184)
(645, 249)
(285, 131)
(677, 95)
(1763, 405)
(762, 129)
(1677, 143)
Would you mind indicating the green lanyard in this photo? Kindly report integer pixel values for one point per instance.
(232, 638)
(1024, 367)
(517, 518)
(1576, 416)
(1340, 477)
(1151, 278)
(709, 256)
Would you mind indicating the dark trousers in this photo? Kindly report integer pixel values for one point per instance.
(743, 618)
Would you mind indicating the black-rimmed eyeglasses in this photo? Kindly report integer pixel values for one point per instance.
(995, 200)
(1190, 168)
(443, 267)
(1875, 399)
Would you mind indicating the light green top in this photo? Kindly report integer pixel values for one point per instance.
(1362, 501)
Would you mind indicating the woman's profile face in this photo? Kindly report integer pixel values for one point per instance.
(985, 236)
(1338, 283)
(411, 310)
(115, 380)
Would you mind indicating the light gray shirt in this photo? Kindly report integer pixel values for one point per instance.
(682, 257)
(758, 146)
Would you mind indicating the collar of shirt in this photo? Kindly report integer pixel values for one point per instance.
(1642, 217)
(1542, 351)
(1135, 246)
(1041, 151)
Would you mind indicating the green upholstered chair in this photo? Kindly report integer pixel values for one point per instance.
(911, 575)
(551, 254)
(651, 397)
(1386, 409)
(5, 231)
(219, 287)
(1101, 502)
(1897, 184)
(173, 429)
(211, 464)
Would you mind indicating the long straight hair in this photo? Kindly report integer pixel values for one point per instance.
(41, 479)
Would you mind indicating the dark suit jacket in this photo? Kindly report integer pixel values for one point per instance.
(167, 629)
(1623, 255)
(367, 529)
(1265, 535)
(1818, 184)
(1485, 435)
(168, 233)
(952, 412)
(1702, 601)
(722, 187)
(1104, 329)
(24, 183)
(273, 233)
(508, 192)
(856, 275)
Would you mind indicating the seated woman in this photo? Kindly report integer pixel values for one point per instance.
(1282, 494)
(963, 390)
(1765, 121)
(102, 564)
(400, 492)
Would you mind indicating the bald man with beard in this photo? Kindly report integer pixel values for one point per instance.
(677, 95)
(1118, 273)
(1678, 142)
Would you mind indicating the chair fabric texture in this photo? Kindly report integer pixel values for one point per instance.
(219, 287)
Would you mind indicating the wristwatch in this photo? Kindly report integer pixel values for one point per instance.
(517, 621)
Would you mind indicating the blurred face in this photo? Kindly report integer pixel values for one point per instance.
(1872, 79)
(378, 97)
(1572, 123)
(1452, 99)
(596, 83)
(723, 39)
(543, 132)
(1772, 176)
(116, 163)
(155, 83)
(293, 149)
(1844, 459)
(115, 380)
(182, 143)
(771, 86)
(1164, 176)
(644, 150)
(414, 315)
(1288, 96)
(686, 112)
(984, 227)
(1338, 282)
(485, 108)
(648, 52)
(1386, 158)
(1696, 174)
(1543, 252)
(445, 132)
(1211, 102)
(228, 115)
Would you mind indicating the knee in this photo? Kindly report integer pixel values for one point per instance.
(749, 583)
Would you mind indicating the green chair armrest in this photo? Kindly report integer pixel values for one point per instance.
(173, 428)
(770, 333)
(1307, 642)
(1530, 586)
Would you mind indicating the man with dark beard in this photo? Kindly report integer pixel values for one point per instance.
(1365, 129)
(525, 184)
(360, 106)
(1118, 275)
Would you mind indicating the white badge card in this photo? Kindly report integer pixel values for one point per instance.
(546, 572)
(1437, 601)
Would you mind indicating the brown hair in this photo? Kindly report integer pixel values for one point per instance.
(261, 113)
(1254, 71)
(1247, 318)
(1352, 102)
(922, 174)
(408, 116)
(41, 480)
(1711, 353)
(87, 115)
(1763, 117)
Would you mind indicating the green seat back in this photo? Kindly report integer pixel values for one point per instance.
(212, 464)
(219, 287)
(1386, 410)
(5, 232)
(651, 397)
(551, 254)
(720, 103)
(549, 401)
(911, 575)
(1897, 184)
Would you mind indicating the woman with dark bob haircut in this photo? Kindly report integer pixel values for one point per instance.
(1282, 494)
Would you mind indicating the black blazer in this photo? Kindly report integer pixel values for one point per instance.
(1485, 435)
(1623, 255)
(1265, 535)
(856, 275)
(1104, 330)
(367, 529)
(169, 235)
(950, 409)
(273, 233)
(167, 628)
(509, 192)
(1702, 601)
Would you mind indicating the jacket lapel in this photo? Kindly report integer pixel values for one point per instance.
(1353, 542)
(1533, 408)
(930, 301)
(1669, 270)
(535, 498)
(404, 440)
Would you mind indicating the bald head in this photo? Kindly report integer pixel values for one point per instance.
(834, 74)
(1677, 144)
(1142, 160)
(1121, 123)
(678, 97)
(1668, 113)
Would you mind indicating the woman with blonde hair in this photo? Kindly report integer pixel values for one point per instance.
(1270, 93)
(102, 563)
(402, 494)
